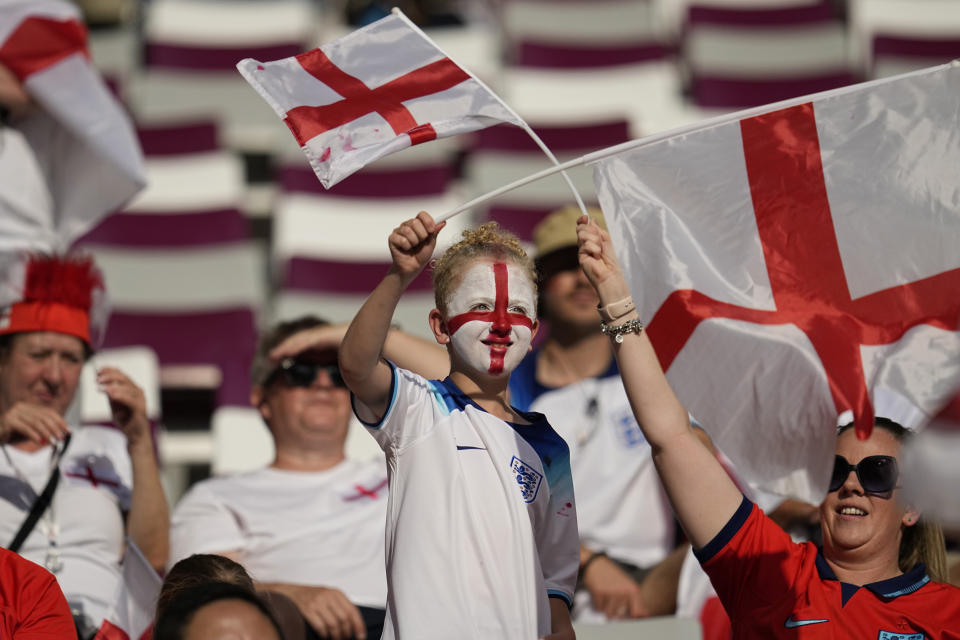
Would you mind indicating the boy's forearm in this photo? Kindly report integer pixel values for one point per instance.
(363, 342)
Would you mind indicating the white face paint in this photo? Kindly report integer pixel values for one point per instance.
(491, 317)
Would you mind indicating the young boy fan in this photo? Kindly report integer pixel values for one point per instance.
(481, 524)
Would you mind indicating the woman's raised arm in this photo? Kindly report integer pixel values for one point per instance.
(703, 496)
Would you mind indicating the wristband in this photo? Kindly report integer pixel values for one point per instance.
(616, 310)
(583, 567)
(618, 331)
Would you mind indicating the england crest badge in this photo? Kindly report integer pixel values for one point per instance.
(893, 635)
(527, 477)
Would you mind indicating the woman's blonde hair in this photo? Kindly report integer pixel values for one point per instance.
(486, 241)
(922, 542)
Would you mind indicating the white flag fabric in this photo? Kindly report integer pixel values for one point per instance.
(76, 157)
(931, 472)
(131, 617)
(376, 91)
(797, 261)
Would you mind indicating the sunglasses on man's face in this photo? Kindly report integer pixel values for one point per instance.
(877, 474)
(300, 373)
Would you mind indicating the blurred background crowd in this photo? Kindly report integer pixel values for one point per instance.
(234, 232)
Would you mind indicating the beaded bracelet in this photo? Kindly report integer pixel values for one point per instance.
(618, 331)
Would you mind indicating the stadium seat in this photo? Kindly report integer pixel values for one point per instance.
(897, 36)
(193, 194)
(181, 273)
(330, 247)
(672, 14)
(190, 51)
(242, 442)
(192, 306)
(590, 61)
(506, 153)
(140, 363)
(748, 56)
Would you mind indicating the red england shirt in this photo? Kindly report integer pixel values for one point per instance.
(32, 607)
(773, 587)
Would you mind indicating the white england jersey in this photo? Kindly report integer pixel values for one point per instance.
(85, 517)
(317, 528)
(481, 525)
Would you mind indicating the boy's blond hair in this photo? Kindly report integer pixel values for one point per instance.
(487, 240)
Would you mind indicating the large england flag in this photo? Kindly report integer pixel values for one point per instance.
(798, 261)
(376, 91)
(74, 157)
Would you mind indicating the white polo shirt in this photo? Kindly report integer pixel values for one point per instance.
(481, 522)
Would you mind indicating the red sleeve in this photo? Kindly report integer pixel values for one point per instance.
(42, 610)
(752, 561)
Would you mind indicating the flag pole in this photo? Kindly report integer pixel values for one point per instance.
(513, 185)
(523, 123)
(600, 154)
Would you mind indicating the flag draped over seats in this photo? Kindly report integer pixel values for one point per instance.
(74, 157)
(375, 91)
(798, 263)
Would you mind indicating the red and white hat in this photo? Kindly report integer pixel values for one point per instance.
(53, 293)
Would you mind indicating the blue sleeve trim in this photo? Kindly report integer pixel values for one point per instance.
(560, 595)
(726, 534)
(390, 405)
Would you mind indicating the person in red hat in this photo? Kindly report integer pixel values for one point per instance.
(69, 496)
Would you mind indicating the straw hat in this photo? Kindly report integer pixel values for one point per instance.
(559, 229)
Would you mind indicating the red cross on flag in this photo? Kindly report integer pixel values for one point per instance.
(73, 158)
(797, 261)
(375, 91)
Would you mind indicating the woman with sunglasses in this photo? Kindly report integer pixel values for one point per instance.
(864, 582)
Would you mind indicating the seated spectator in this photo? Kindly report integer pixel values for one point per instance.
(216, 611)
(311, 525)
(101, 483)
(31, 603)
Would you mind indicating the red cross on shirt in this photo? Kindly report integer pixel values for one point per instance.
(359, 99)
(92, 477)
(806, 273)
(362, 492)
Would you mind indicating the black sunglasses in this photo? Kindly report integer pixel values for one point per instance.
(299, 373)
(877, 474)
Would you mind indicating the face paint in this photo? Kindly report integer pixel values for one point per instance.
(491, 317)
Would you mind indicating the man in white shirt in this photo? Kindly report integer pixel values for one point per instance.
(311, 525)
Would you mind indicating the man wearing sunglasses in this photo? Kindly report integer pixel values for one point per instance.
(311, 525)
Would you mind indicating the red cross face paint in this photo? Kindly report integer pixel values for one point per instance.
(492, 316)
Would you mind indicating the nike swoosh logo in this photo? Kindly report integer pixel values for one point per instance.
(790, 623)
(460, 448)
